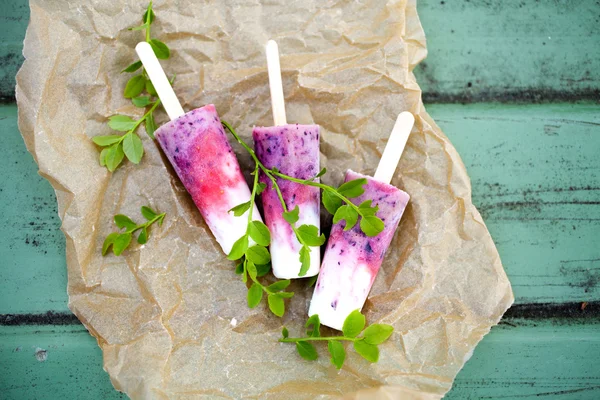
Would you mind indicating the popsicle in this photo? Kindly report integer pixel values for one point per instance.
(352, 259)
(294, 150)
(197, 147)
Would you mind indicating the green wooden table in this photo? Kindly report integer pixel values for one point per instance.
(515, 85)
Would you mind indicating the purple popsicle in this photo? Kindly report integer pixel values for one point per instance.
(200, 153)
(352, 259)
(294, 150)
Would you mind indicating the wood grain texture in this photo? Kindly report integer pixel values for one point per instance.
(511, 50)
(52, 363)
(14, 16)
(535, 174)
(526, 361)
(33, 276)
(523, 50)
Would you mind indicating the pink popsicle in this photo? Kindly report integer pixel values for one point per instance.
(200, 153)
(294, 150)
(352, 259)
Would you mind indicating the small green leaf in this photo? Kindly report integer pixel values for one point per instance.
(150, 87)
(123, 221)
(279, 285)
(259, 233)
(276, 305)
(106, 140)
(304, 260)
(312, 280)
(244, 273)
(258, 255)
(331, 202)
(133, 67)
(143, 236)
(309, 235)
(161, 218)
(251, 268)
(133, 147)
(315, 322)
(149, 15)
(354, 324)
(160, 49)
(114, 156)
(260, 187)
(292, 216)
(121, 123)
(370, 352)
(239, 269)
(378, 333)
(366, 209)
(148, 213)
(103, 154)
(371, 225)
(254, 295)
(121, 243)
(338, 353)
(307, 351)
(134, 86)
(150, 125)
(285, 333)
(240, 209)
(348, 214)
(138, 28)
(353, 188)
(263, 269)
(141, 101)
(239, 248)
(321, 173)
(110, 239)
(285, 295)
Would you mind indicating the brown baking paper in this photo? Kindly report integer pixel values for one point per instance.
(171, 316)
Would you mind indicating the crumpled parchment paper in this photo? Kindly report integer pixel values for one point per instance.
(171, 316)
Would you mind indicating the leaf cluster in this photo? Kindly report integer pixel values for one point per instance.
(119, 241)
(364, 341)
(255, 259)
(140, 90)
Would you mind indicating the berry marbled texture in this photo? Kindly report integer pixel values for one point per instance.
(198, 149)
(294, 150)
(352, 259)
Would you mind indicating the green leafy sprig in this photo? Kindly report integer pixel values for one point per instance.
(255, 260)
(307, 235)
(365, 344)
(336, 201)
(121, 240)
(140, 90)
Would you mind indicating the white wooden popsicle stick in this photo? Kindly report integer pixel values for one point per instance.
(274, 69)
(159, 80)
(394, 148)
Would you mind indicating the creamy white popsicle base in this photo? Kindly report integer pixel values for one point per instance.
(352, 259)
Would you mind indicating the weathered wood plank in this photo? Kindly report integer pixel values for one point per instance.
(535, 360)
(536, 180)
(52, 363)
(478, 50)
(33, 276)
(14, 16)
(511, 50)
